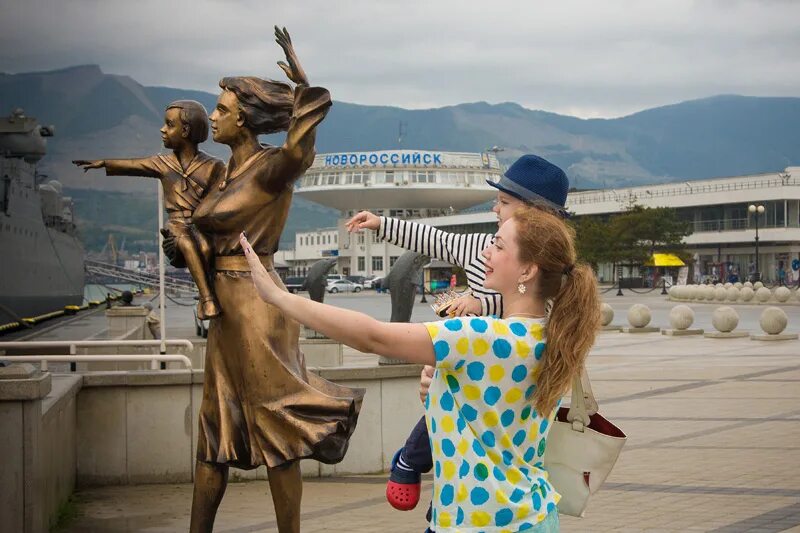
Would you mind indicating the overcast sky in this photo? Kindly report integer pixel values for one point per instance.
(587, 58)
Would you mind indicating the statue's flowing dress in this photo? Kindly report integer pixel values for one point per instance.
(260, 406)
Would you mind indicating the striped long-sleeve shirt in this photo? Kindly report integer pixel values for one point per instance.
(463, 250)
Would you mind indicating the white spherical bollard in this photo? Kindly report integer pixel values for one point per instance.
(732, 293)
(725, 319)
(681, 317)
(720, 293)
(748, 284)
(699, 292)
(708, 293)
(757, 285)
(738, 285)
(639, 315)
(691, 292)
(718, 285)
(773, 320)
(746, 294)
(674, 292)
(606, 314)
(763, 294)
(782, 294)
(728, 284)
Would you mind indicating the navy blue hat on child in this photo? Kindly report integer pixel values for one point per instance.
(536, 180)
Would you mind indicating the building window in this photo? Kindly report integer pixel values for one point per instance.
(361, 237)
(362, 263)
(423, 176)
(358, 176)
(377, 264)
(389, 176)
(392, 260)
(318, 240)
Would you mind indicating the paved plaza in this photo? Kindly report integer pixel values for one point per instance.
(714, 444)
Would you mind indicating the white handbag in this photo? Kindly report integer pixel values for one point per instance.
(581, 450)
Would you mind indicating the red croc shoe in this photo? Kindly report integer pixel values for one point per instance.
(404, 486)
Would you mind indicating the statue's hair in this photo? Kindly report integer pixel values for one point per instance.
(265, 104)
(195, 116)
(545, 240)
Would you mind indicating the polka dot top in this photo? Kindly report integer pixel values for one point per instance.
(488, 441)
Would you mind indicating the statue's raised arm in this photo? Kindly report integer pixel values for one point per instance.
(293, 69)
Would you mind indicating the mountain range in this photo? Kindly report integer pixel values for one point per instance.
(100, 115)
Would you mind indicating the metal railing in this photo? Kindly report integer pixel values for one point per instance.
(98, 268)
(155, 359)
(73, 345)
(730, 224)
(635, 194)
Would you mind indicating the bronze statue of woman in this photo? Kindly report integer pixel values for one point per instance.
(260, 406)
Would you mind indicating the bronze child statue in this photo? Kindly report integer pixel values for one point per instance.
(186, 175)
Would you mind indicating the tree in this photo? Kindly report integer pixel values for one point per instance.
(630, 237)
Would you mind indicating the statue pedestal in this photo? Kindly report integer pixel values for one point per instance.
(322, 352)
(126, 322)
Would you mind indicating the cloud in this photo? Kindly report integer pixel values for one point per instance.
(580, 57)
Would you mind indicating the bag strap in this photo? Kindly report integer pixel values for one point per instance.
(582, 403)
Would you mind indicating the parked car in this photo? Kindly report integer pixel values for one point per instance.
(333, 277)
(356, 279)
(343, 285)
(295, 283)
(369, 282)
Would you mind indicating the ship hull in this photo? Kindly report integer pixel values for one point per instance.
(42, 273)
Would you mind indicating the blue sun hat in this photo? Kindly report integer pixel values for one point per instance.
(535, 180)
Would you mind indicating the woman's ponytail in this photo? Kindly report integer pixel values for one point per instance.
(570, 333)
(571, 290)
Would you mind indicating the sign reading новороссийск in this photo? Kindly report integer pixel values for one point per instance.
(405, 158)
(383, 158)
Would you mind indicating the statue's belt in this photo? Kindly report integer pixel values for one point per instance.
(179, 213)
(238, 263)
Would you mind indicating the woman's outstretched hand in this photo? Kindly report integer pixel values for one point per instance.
(86, 164)
(363, 220)
(293, 70)
(267, 289)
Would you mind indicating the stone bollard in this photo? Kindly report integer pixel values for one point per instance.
(681, 318)
(728, 284)
(720, 294)
(639, 317)
(699, 293)
(782, 294)
(674, 292)
(738, 285)
(708, 293)
(725, 319)
(606, 317)
(763, 295)
(746, 294)
(748, 284)
(732, 294)
(773, 321)
(757, 285)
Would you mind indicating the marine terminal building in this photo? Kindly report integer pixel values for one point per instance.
(409, 184)
(435, 189)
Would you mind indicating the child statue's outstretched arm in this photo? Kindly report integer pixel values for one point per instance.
(145, 167)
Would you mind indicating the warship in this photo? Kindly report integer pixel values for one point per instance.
(41, 255)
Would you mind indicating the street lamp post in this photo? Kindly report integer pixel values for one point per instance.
(756, 210)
